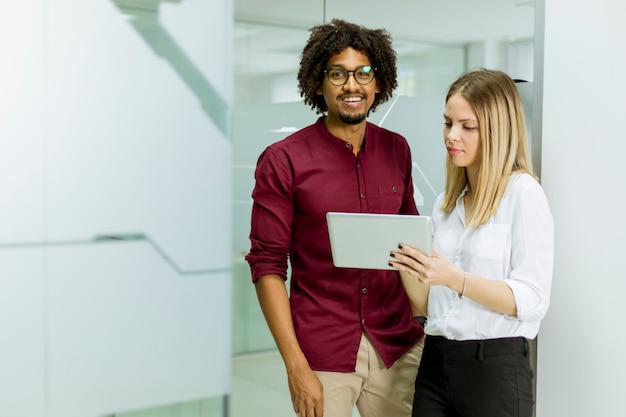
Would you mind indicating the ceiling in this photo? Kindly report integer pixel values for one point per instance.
(432, 21)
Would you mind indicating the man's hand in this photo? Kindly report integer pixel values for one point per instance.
(307, 393)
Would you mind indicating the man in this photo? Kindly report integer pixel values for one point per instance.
(347, 336)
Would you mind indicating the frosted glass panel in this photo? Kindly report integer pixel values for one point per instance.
(115, 177)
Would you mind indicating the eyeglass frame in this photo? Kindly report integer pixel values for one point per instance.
(360, 67)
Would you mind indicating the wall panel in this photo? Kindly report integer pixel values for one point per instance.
(115, 222)
(580, 356)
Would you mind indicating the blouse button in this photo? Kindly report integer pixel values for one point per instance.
(362, 195)
(348, 145)
(364, 290)
(394, 189)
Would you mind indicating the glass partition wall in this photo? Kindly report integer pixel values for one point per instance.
(268, 40)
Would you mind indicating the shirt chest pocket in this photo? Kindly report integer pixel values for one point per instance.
(390, 198)
(446, 241)
(490, 241)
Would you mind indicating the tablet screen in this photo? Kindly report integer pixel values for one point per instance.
(364, 240)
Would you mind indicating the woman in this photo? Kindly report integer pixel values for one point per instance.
(491, 271)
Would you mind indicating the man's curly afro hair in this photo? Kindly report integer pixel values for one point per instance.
(331, 39)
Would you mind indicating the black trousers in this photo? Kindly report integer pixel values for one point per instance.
(474, 378)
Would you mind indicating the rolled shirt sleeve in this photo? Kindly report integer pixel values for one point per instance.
(532, 257)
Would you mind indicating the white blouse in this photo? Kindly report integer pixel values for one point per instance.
(516, 245)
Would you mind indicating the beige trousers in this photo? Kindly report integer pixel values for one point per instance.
(375, 390)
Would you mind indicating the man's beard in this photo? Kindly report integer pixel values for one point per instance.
(352, 119)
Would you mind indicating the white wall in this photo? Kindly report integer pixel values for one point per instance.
(114, 121)
(581, 362)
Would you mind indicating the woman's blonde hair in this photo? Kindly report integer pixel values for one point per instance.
(504, 150)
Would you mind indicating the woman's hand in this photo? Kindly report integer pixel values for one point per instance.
(438, 270)
(432, 270)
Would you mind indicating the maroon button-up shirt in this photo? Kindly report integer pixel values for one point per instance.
(299, 180)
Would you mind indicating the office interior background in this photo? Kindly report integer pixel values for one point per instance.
(129, 130)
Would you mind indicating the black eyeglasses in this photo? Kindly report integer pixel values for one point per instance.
(363, 74)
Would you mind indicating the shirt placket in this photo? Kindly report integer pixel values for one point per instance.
(364, 208)
(361, 187)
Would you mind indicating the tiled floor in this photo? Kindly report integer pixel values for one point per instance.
(259, 387)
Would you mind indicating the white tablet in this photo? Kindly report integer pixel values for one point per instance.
(363, 240)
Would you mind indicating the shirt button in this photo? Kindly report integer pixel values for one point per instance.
(348, 145)
(394, 189)
(364, 290)
(362, 195)
(363, 321)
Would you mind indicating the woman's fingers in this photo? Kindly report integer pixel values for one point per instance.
(412, 252)
(406, 262)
